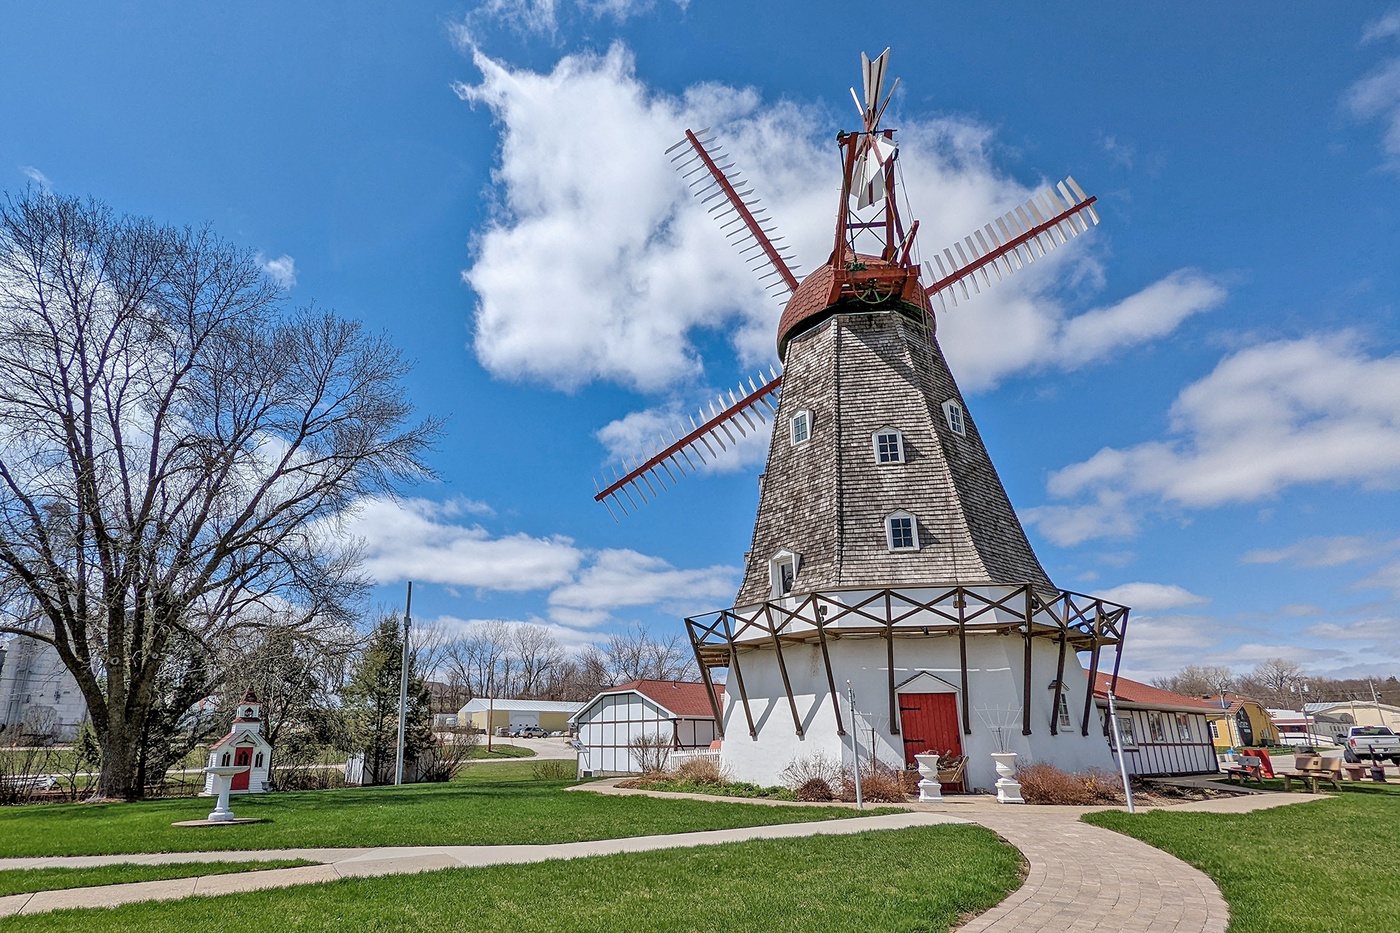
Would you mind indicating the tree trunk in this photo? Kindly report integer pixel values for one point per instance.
(121, 749)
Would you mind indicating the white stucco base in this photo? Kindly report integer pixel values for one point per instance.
(995, 679)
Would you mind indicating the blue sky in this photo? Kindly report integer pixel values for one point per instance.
(1196, 409)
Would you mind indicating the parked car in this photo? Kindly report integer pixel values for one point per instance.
(1374, 742)
(531, 732)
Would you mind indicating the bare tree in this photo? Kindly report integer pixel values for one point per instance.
(636, 655)
(537, 653)
(175, 450)
(1276, 682)
(1195, 680)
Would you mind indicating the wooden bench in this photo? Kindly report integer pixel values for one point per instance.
(1318, 771)
(1250, 768)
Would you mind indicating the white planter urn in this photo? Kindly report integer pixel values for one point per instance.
(930, 791)
(1008, 788)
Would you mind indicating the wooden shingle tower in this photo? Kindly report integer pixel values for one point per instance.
(886, 553)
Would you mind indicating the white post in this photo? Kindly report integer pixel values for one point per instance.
(403, 688)
(1118, 750)
(855, 749)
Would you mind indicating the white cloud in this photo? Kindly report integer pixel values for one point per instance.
(37, 177)
(1320, 552)
(640, 434)
(1377, 96)
(1272, 416)
(282, 270)
(1385, 578)
(543, 16)
(1387, 26)
(414, 539)
(1149, 597)
(624, 578)
(429, 542)
(600, 266)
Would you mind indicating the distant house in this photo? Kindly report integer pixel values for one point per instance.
(549, 715)
(39, 699)
(1162, 732)
(677, 711)
(1246, 723)
(1359, 712)
(1312, 728)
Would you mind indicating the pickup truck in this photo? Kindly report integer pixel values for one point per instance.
(1374, 742)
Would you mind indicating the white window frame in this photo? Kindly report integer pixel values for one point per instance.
(955, 416)
(775, 574)
(1066, 721)
(803, 414)
(898, 445)
(890, 519)
(1126, 731)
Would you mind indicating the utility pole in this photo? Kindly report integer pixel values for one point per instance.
(855, 749)
(1118, 750)
(403, 686)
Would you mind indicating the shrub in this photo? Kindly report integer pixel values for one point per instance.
(879, 783)
(815, 791)
(651, 752)
(704, 771)
(554, 769)
(807, 768)
(1047, 784)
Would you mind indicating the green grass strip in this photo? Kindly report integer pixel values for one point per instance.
(29, 880)
(922, 879)
(498, 750)
(495, 805)
(1308, 868)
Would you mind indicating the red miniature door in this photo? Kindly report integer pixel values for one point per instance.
(242, 756)
(929, 722)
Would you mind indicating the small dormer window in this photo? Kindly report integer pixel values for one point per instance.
(800, 427)
(957, 422)
(782, 573)
(889, 445)
(902, 532)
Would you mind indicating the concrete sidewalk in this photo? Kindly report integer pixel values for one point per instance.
(352, 863)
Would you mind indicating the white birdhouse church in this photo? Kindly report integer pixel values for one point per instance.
(243, 746)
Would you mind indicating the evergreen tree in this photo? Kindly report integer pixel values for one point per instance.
(372, 705)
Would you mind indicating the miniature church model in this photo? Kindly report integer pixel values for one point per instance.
(886, 553)
(244, 745)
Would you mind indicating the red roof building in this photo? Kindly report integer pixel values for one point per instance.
(1163, 733)
(609, 726)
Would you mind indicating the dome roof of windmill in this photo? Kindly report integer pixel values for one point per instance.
(811, 303)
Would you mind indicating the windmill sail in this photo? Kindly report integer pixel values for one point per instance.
(751, 223)
(715, 427)
(1052, 217)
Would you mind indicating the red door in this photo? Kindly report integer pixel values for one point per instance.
(929, 722)
(241, 756)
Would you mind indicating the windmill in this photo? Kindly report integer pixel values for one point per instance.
(885, 552)
(999, 248)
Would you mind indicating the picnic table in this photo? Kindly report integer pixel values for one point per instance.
(1315, 772)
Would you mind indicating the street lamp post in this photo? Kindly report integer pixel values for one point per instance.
(403, 687)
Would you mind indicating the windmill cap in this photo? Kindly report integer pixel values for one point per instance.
(815, 299)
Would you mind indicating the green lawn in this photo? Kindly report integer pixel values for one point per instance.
(27, 880)
(874, 881)
(492, 804)
(1307, 868)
